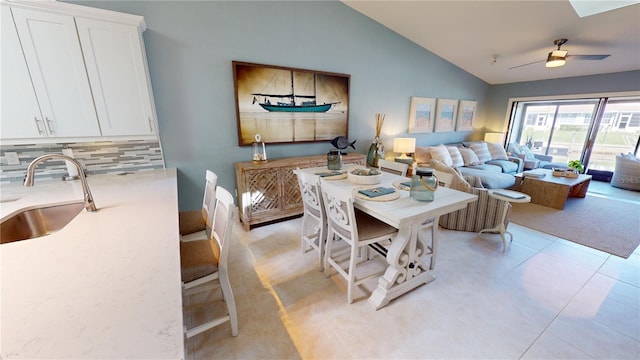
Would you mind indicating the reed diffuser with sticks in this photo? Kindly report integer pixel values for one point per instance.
(376, 150)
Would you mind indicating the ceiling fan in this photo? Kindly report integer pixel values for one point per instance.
(559, 57)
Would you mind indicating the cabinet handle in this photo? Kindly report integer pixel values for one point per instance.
(49, 125)
(150, 126)
(38, 125)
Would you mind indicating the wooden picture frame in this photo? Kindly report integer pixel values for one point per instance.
(446, 115)
(422, 114)
(289, 105)
(466, 115)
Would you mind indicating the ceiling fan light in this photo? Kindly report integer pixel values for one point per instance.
(555, 61)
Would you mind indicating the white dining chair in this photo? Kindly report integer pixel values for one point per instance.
(204, 263)
(444, 179)
(357, 230)
(314, 222)
(393, 167)
(196, 224)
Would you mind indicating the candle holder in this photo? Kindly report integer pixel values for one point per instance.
(259, 150)
(334, 160)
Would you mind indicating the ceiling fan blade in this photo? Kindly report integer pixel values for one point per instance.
(588, 57)
(535, 62)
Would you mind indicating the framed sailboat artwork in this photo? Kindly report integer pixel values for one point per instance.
(289, 105)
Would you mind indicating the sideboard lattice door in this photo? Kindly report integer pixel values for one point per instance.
(265, 191)
(291, 197)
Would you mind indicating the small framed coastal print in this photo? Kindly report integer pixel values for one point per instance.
(422, 115)
(446, 115)
(466, 115)
(289, 105)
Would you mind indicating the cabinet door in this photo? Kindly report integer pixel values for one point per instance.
(21, 117)
(291, 197)
(264, 188)
(116, 64)
(54, 58)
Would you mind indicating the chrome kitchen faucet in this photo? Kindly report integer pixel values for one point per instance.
(88, 198)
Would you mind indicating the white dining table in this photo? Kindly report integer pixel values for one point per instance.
(406, 268)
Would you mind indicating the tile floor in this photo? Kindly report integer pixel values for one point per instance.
(545, 298)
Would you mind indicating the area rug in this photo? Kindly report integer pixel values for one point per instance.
(609, 225)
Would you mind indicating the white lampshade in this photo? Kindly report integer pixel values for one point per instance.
(404, 146)
(496, 138)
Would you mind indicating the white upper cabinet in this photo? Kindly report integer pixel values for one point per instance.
(115, 62)
(73, 73)
(20, 112)
(54, 58)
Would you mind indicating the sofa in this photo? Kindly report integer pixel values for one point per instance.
(488, 161)
(531, 160)
(626, 174)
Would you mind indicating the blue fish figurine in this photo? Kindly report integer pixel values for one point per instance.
(342, 143)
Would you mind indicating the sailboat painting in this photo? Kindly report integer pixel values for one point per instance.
(288, 105)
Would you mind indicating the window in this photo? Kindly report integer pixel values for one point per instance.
(593, 130)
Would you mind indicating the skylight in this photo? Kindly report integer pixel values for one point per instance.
(586, 8)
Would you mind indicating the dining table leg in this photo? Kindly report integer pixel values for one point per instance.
(407, 267)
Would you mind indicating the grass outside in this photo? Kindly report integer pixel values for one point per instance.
(567, 145)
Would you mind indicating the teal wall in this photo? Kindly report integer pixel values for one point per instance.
(497, 101)
(190, 46)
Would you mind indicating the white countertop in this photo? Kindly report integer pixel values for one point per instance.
(105, 286)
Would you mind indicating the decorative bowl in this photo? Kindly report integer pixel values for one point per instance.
(365, 176)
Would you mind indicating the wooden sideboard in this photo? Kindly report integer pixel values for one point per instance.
(269, 191)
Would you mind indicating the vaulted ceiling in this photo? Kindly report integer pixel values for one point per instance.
(489, 38)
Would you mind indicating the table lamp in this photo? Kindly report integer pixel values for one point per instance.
(404, 146)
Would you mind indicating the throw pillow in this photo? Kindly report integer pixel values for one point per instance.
(514, 149)
(422, 154)
(469, 157)
(481, 150)
(528, 154)
(456, 157)
(497, 152)
(441, 153)
(458, 182)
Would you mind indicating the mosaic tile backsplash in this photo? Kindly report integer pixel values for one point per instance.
(97, 158)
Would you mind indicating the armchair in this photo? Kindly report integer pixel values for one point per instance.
(484, 213)
(531, 160)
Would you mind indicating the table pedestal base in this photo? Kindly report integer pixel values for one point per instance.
(406, 259)
(384, 294)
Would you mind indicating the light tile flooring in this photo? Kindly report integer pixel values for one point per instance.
(545, 298)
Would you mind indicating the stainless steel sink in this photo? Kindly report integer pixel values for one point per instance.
(35, 222)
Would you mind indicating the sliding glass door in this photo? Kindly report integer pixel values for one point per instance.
(618, 132)
(592, 130)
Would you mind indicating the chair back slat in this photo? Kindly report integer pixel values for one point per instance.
(192, 222)
(313, 233)
(223, 220)
(310, 192)
(393, 167)
(340, 212)
(444, 179)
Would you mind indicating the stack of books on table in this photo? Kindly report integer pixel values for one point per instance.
(536, 173)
